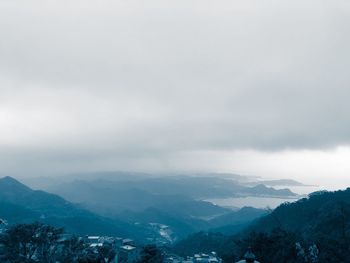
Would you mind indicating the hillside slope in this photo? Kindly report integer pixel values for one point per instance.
(321, 219)
(19, 204)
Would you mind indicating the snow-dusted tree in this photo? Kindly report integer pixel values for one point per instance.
(302, 256)
(106, 253)
(71, 250)
(31, 242)
(311, 256)
(36, 242)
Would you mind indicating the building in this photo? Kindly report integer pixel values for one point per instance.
(128, 241)
(207, 258)
(92, 239)
(128, 253)
(197, 258)
(125, 249)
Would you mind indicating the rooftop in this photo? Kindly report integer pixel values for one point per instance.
(128, 247)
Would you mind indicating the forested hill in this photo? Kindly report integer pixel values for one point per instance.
(322, 219)
(21, 204)
(321, 213)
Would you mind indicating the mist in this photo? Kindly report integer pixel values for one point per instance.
(245, 87)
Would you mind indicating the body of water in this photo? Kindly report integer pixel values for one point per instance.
(258, 202)
(301, 190)
(263, 202)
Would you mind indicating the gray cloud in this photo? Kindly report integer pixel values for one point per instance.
(137, 83)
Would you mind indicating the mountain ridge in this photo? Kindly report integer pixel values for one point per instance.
(19, 203)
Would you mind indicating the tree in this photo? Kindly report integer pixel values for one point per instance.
(277, 246)
(28, 242)
(151, 254)
(71, 250)
(36, 242)
(106, 253)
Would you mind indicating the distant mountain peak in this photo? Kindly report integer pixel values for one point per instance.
(263, 189)
(9, 183)
(8, 179)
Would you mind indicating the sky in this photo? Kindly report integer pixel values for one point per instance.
(251, 87)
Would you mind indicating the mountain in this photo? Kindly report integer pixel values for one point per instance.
(173, 201)
(133, 204)
(244, 216)
(262, 190)
(110, 197)
(183, 225)
(281, 182)
(136, 206)
(113, 210)
(321, 219)
(198, 186)
(205, 187)
(21, 204)
(179, 225)
(278, 182)
(320, 213)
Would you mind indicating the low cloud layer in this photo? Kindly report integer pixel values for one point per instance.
(136, 84)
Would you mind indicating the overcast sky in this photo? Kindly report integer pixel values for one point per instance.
(252, 87)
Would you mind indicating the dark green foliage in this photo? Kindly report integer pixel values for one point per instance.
(151, 254)
(106, 253)
(72, 250)
(321, 212)
(24, 243)
(277, 246)
(36, 242)
(200, 242)
(322, 221)
(245, 214)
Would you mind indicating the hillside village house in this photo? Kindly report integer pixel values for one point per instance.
(125, 249)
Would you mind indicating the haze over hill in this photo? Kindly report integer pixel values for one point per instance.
(127, 208)
(20, 204)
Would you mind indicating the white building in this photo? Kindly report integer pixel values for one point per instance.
(128, 253)
(206, 258)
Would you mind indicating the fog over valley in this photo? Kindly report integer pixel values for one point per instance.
(174, 131)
